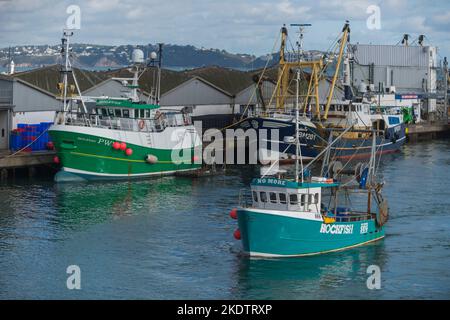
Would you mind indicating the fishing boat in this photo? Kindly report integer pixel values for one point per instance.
(99, 138)
(359, 112)
(282, 117)
(307, 215)
(321, 117)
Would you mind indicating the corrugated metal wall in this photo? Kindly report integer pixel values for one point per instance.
(388, 55)
(403, 78)
(6, 92)
(26, 99)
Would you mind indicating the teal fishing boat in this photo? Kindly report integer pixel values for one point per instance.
(306, 215)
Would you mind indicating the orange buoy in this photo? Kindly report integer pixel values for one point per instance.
(129, 152)
(123, 146)
(233, 213)
(116, 145)
(237, 234)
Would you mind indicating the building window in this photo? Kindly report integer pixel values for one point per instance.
(282, 197)
(273, 197)
(263, 196)
(255, 196)
(293, 199)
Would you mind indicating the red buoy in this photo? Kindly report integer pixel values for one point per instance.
(123, 146)
(233, 213)
(195, 159)
(56, 159)
(116, 145)
(50, 145)
(237, 234)
(129, 152)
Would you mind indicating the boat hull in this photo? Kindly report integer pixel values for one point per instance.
(86, 153)
(309, 137)
(265, 233)
(361, 148)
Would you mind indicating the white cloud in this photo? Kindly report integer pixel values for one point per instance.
(249, 26)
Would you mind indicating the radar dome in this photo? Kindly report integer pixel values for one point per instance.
(153, 55)
(137, 56)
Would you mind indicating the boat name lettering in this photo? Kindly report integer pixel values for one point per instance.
(86, 139)
(336, 228)
(106, 142)
(364, 228)
(272, 181)
(307, 136)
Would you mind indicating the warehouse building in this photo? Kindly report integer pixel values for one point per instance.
(406, 72)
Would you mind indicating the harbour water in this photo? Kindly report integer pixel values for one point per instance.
(171, 238)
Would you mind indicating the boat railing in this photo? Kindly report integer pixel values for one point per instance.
(352, 216)
(165, 119)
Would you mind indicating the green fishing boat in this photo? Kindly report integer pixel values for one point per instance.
(120, 137)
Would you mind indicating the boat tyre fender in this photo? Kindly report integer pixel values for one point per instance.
(394, 138)
(141, 124)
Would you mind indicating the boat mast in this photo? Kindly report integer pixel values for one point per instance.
(298, 156)
(158, 89)
(66, 69)
(371, 171)
(343, 43)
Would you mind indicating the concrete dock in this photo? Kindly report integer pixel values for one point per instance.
(427, 131)
(28, 160)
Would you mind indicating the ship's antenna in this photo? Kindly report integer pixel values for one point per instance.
(301, 31)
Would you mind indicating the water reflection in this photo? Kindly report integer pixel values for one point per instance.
(309, 277)
(89, 203)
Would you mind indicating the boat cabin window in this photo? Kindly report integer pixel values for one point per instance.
(141, 113)
(263, 196)
(273, 197)
(293, 199)
(282, 197)
(303, 200)
(316, 198)
(310, 198)
(111, 112)
(126, 113)
(118, 113)
(104, 112)
(339, 108)
(393, 120)
(255, 196)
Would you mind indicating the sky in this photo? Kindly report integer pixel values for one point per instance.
(237, 26)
